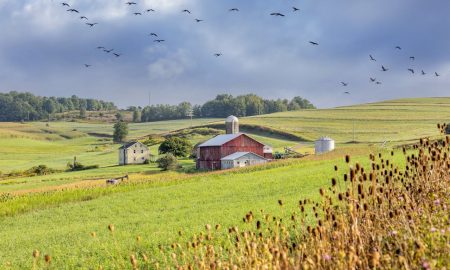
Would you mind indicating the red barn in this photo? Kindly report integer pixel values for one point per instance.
(210, 153)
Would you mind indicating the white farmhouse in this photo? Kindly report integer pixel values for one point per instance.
(133, 153)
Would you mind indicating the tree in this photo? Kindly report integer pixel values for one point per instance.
(447, 129)
(120, 131)
(168, 162)
(136, 115)
(119, 116)
(82, 112)
(179, 147)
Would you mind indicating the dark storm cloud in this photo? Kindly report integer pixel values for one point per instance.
(43, 49)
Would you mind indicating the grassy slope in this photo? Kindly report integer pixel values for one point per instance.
(396, 120)
(26, 145)
(158, 212)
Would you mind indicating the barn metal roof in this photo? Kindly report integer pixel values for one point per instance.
(239, 155)
(220, 140)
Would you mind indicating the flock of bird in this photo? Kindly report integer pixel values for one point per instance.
(384, 69)
(157, 39)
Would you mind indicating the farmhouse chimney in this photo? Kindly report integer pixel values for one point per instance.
(232, 125)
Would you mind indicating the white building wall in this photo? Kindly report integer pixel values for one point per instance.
(136, 154)
(244, 161)
(324, 145)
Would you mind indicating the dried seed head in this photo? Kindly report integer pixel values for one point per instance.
(111, 227)
(333, 181)
(36, 253)
(47, 258)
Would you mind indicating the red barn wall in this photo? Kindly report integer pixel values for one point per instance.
(242, 143)
(210, 156)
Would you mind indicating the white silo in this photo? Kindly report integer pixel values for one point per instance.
(232, 125)
(324, 145)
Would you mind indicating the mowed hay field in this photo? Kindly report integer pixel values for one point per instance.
(157, 212)
(395, 121)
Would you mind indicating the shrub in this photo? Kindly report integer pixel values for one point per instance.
(176, 146)
(168, 162)
(77, 166)
(40, 170)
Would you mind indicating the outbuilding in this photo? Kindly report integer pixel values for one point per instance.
(133, 153)
(324, 145)
(241, 159)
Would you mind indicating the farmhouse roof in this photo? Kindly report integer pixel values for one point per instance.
(128, 145)
(237, 155)
(220, 140)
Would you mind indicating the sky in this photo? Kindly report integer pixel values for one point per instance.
(44, 49)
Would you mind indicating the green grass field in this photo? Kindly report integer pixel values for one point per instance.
(57, 213)
(157, 212)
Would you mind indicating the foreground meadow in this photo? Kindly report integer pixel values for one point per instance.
(155, 210)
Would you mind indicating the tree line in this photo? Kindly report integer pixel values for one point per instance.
(222, 106)
(15, 106)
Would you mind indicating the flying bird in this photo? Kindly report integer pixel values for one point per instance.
(398, 47)
(277, 14)
(137, 13)
(186, 11)
(73, 10)
(83, 17)
(295, 9)
(91, 24)
(423, 72)
(233, 9)
(65, 4)
(117, 54)
(344, 84)
(372, 79)
(198, 20)
(150, 10)
(86, 65)
(217, 54)
(100, 47)
(347, 93)
(314, 43)
(411, 70)
(130, 3)
(159, 40)
(378, 83)
(153, 34)
(412, 58)
(108, 51)
(384, 69)
(437, 74)
(371, 58)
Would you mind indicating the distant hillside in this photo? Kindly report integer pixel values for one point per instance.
(15, 106)
(390, 121)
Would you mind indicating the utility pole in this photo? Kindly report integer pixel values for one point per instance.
(353, 130)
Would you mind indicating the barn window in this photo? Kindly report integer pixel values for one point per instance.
(142, 151)
(134, 151)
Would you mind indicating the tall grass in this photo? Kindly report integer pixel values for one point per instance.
(379, 217)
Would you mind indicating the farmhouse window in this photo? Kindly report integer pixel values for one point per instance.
(134, 151)
(142, 151)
